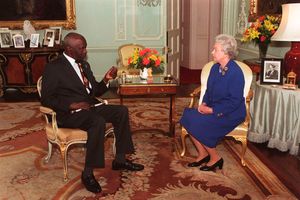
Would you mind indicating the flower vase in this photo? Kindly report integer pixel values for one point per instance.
(263, 48)
(144, 73)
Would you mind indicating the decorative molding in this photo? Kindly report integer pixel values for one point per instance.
(157, 19)
(242, 20)
(253, 7)
(253, 10)
(149, 3)
(120, 20)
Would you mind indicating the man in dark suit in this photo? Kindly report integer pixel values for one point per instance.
(69, 87)
(272, 73)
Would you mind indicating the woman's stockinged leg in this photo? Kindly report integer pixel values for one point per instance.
(202, 153)
(215, 160)
(202, 157)
(204, 150)
(214, 156)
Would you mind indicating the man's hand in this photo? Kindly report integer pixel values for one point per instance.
(80, 105)
(204, 109)
(110, 74)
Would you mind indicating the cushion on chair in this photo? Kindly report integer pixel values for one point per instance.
(66, 134)
(240, 130)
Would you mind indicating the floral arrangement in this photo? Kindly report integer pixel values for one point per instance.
(262, 29)
(145, 58)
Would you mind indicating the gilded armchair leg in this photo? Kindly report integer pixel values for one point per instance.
(63, 151)
(244, 148)
(111, 131)
(183, 135)
(47, 158)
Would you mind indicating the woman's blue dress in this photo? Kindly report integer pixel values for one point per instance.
(224, 94)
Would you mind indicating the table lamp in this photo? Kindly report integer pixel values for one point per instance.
(289, 30)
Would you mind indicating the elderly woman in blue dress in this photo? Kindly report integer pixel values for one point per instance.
(223, 106)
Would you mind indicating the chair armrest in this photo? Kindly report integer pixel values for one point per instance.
(249, 96)
(48, 111)
(194, 95)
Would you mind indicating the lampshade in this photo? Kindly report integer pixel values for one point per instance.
(289, 28)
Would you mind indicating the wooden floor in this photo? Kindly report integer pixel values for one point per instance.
(284, 165)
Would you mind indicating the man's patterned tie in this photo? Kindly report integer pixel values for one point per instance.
(85, 80)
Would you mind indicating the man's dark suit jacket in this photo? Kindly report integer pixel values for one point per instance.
(61, 86)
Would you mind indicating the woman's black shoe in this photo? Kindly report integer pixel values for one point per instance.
(200, 162)
(219, 164)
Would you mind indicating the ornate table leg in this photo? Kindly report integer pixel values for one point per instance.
(3, 61)
(172, 116)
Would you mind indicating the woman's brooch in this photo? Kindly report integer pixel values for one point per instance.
(223, 70)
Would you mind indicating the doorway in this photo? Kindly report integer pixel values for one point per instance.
(191, 28)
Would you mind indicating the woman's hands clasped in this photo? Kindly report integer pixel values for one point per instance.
(204, 109)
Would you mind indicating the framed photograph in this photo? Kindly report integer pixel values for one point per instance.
(57, 34)
(18, 41)
(5, 38)
(271, 71)
(34, 40)
(49, 38)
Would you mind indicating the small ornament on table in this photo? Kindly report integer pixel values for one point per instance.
(150, 77)
(290, 81)
(149, 72)
(168, 78)
(123, 77)
(28, 30)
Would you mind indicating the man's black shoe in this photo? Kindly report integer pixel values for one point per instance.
(90, 183)
(129, 165)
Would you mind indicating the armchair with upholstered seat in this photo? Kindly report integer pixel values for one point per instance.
(241, 131)
(64, 137)
(125, 51)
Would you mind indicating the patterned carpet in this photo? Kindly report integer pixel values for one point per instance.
(24, 175)
(18, 119)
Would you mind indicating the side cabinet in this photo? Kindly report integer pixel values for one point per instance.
(21, 68)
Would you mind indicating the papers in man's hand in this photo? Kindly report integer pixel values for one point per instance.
(92, 106)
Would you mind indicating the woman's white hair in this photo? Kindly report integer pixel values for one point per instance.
(228, 44)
